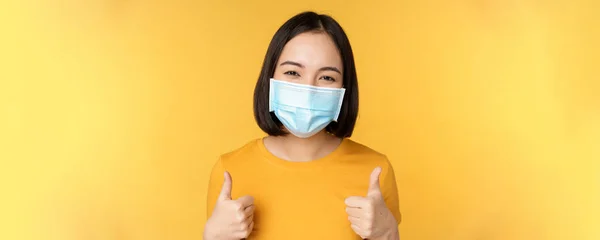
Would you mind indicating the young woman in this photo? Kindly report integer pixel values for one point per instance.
(306, 179)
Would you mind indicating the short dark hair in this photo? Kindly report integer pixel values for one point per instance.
(301, 23)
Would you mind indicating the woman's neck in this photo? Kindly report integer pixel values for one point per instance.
(297, 149)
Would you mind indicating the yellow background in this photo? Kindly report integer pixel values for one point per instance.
(112, 112)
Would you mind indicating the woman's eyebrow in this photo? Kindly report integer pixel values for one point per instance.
(292, 63)
(330, 69)
(302, 66)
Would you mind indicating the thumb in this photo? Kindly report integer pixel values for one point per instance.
(374, 189)
(226, 189)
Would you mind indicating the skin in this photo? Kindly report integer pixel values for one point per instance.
(231, 219)
(313, 59)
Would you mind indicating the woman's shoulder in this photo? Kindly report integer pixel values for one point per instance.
(358, 148)
(367, 157)
(354, 148)
(245, 151)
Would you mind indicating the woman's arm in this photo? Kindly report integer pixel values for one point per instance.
(215, 182)
(389, 190)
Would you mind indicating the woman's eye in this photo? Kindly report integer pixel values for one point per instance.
(292, 73)
(328, 78)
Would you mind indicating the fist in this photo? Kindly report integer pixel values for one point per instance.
(231, 219)
(369, 216)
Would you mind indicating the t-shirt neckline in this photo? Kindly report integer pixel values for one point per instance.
(316, 163)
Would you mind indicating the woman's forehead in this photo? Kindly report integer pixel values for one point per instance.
(312, 49)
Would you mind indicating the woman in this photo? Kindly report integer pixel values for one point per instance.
(306, 179)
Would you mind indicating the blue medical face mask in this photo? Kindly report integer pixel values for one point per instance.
(303, 109)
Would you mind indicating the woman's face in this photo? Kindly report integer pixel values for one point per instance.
(311, 58)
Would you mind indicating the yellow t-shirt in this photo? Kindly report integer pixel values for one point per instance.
(302, 200)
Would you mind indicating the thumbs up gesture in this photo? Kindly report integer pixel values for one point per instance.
(231, 219)
(369, 216)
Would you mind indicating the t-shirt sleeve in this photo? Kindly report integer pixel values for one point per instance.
(215, 184)
(390, 192)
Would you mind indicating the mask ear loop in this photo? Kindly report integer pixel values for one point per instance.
(341, 101)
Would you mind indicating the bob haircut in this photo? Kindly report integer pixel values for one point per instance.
(301, 23)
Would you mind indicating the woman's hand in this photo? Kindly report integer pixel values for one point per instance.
(369, 216)
(231, 219)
